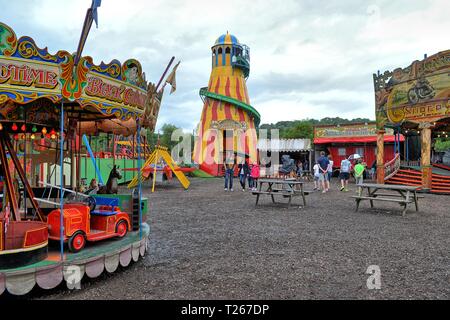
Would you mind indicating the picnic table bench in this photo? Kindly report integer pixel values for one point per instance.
(287, 188)
(403, 195)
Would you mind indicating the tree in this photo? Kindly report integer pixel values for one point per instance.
(442, 145)
(166, 135)
(301, 130)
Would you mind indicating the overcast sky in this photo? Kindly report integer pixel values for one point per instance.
(309, 59)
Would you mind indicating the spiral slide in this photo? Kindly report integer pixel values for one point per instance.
(237, 103)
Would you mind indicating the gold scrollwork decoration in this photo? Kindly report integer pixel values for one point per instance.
(27, 49)
(113, 69)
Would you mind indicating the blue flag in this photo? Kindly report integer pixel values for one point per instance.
(95, 5)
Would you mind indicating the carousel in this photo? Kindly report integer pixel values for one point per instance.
(51, 232)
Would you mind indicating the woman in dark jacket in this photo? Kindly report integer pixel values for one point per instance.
(244, 172)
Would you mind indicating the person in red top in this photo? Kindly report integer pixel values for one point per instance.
(254, 175)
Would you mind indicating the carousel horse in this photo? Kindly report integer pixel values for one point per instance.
(112, 186)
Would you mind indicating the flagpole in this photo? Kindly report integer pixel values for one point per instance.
(164, 74)
(84, 34)
(91, 15)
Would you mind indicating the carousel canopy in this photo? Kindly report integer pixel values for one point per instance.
(31, 76)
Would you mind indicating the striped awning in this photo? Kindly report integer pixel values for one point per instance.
(284, 145)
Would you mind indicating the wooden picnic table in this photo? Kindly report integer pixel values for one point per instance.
(403, 195)
(288, 188)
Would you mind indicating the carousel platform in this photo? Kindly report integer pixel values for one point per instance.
(92, 261)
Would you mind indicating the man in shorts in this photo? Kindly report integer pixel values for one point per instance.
(323, 166)
(346, 166)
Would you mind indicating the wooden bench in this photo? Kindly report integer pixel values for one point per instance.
(394, 195)
(404, 195)
(287, 190)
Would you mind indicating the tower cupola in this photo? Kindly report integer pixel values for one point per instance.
(227, 51)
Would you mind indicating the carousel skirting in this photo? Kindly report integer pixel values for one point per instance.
(92, 261)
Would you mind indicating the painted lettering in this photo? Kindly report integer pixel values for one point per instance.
(27, 76)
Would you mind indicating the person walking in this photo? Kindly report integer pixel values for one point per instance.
(344, 174)
(229, 173)
(330, 169)
(244, 172)
(359, 174)
(323, 166)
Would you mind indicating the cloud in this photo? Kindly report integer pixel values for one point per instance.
(310, 59)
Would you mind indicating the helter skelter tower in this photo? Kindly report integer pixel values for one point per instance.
(228, 122)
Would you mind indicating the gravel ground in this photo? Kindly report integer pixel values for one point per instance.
(208, 244)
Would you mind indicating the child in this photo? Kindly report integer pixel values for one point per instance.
(316, 169)
(359, 174)
(300, 169)
(93, 187)
(254, 175)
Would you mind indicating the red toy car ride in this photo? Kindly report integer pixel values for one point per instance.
(82, 224)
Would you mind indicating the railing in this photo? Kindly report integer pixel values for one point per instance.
(77, 196)
(241, 63)
(410, 163)
(391, 168)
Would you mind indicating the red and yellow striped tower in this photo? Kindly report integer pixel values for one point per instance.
(228, 122)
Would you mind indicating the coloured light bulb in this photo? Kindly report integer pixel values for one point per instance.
(44, 131)
(14, 127)
(34, 129)
(23, 128)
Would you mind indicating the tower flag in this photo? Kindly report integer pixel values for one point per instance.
(95, 5)
(171, 79)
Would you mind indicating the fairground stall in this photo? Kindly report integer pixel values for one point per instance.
(343, 140)
(416, 102)
(44, 101)
(299, 150)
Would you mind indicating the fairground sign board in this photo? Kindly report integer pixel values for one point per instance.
(419, 93)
